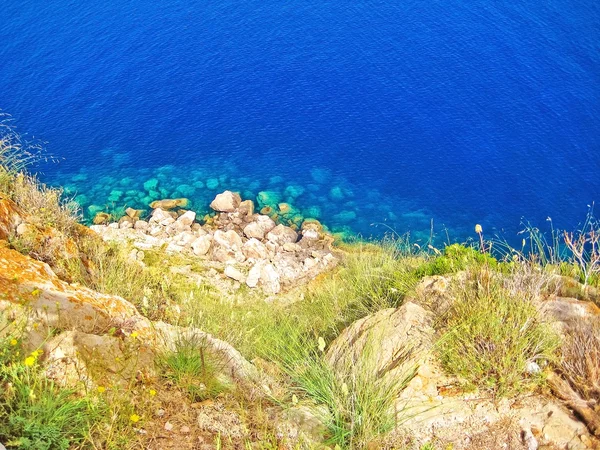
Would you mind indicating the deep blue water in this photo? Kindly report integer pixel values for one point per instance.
(389, 113)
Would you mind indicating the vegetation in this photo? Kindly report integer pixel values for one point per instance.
(494, 339)
(491, 335)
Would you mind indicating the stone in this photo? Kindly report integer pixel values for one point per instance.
(254, 275)
(291, 247)
(246, 208)
(228, 239)
(255, 249)
(159, 215)
(167, 204)
(270, 279)
(133, 213)
(259, 228)
(141, 225)
(281, 235)
(101, 218)
(201, 245)
(151, 185)
(212, 183)
(187, 218)
(226, 202)
(11, 216)
(233, 273)
(395, 340)
(23, 228)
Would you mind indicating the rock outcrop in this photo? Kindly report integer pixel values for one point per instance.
(399, 345)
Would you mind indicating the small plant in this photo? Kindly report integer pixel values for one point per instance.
(585, 247)
(194, 369)
(493, 335)
(34, 412)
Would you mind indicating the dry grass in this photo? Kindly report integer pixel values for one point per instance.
(581, 358)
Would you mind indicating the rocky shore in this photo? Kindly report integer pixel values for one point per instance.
(247, 247)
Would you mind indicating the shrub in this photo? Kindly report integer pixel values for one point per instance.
(193, 368)
(492, 334)
(34, 412)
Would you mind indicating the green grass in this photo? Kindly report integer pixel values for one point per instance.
(194, 369)
(34, 412)
(359, 406)
(491, 333)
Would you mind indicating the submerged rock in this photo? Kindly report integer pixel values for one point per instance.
(169, 203)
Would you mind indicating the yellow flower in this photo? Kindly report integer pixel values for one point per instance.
(36, 326)
(152, 392)
(321, 343)
(101, 389)
(134, 418)
(478, 229)
(13, 342)
(36, 292)
(31, 395)
(37, 353)
(134, 334)
(29, 361)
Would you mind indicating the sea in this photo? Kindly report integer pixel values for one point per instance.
(375, 117)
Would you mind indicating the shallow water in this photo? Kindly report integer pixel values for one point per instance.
(374, 116)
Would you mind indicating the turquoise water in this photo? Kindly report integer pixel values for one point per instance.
(372, 116)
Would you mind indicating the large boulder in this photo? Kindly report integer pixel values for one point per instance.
(395, 340)
(226, 202)
(170, 203)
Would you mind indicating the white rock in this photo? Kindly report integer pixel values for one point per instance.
(291, 247)
(174, 248)
(201, 245)
(114, 226)
(253, 248)
(261, 226)
(187, 219)
(166, 221)
(254, 275)
(22, 228)
(228, 239)
(233, 273)
(281, 235)
(270, 279)
(226, 202)
(185, 238)
(125, 225)
(159, 214)
(141, 225)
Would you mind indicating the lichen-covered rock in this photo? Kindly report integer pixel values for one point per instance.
(226, 202)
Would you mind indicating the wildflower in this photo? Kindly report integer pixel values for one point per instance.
(321, 344)
(13, 342)
(37, 353)
(134, 418)
(478, 229)
(152, 392)
(101, 389)
(345, 389)
(134, 334)
(36, 326)
(29, 361)
(36, 292)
